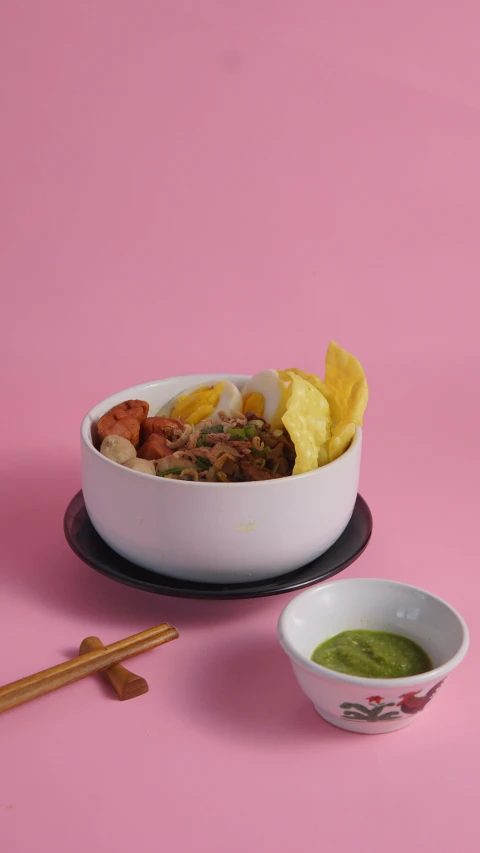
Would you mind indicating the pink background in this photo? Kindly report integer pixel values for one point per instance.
(307, 170)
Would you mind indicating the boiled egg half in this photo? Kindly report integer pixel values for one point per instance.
(197, 404)
(266, 394)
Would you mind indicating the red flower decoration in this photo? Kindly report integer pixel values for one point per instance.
(375, 700)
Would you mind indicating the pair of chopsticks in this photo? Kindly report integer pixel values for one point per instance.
(94, 657)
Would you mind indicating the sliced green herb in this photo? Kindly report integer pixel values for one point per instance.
(216, 428)
(257, 452)
(169, 471)
(250, 430)
(202, 463)
(237, 434)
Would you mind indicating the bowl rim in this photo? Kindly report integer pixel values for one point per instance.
(439, 672)
(89, 418)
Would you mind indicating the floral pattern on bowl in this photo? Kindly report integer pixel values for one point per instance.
(410, 703)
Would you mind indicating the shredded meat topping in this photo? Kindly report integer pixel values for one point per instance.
(225, 448)
(228, 449)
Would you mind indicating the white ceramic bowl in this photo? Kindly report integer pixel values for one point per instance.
(371, 705)
(214, 532)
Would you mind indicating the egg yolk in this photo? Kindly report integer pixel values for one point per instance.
(198, 405)
(254, 402)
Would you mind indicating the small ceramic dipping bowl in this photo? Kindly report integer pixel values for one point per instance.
(371, 705)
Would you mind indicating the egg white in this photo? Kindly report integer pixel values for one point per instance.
(230, 400)
(274, 392)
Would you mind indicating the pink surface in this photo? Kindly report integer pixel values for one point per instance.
(311, 169)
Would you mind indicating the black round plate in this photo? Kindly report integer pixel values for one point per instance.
(87, 544)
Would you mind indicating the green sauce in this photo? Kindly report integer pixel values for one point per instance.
(372, 654)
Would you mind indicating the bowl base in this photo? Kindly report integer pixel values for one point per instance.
(365, 728)
(89, 547)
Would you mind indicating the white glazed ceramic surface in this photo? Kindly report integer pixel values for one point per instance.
(371, 705)
(214, 532)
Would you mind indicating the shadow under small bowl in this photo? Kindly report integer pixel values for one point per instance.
(371, 705)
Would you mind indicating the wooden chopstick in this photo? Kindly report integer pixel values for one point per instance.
(43, 682)
(126, 684)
